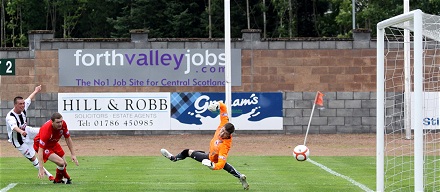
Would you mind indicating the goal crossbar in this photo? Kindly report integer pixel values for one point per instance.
(400, 21)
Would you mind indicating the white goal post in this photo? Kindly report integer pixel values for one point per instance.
(408, 90)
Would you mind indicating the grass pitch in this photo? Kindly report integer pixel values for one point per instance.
(155, 173)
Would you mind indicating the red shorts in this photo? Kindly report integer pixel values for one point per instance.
(57, 149)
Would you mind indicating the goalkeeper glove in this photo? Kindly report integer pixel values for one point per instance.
(208, 163)
(213, 107)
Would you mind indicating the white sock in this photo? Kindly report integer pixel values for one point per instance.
(35, 163)
(60, 168)
(47, 172)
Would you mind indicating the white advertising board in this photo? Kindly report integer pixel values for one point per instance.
(115, 111)
(430, 111)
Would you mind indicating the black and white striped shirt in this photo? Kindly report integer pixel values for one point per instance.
(17, 120)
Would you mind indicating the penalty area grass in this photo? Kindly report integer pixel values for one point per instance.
(156, 173)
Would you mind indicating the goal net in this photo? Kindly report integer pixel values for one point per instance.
(408, 103)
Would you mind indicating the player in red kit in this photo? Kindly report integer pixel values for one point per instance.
(47, 147)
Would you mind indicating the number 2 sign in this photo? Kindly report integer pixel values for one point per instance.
(7, 66)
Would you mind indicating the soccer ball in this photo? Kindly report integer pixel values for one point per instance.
(301, 152)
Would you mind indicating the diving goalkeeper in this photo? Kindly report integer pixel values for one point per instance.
(218, 148)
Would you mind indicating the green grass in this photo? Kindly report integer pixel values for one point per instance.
(265, 173)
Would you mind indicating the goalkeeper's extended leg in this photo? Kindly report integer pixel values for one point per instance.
(198, 155)
(181, 156)
(243, 182)
(230, 169)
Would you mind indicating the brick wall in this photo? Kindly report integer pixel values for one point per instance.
(343, 69)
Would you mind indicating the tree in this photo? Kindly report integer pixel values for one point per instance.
(141, 14)
(183, 19)
(3, 24)
(194, 19)
(281, 7)
(215, 27)
(71, 11)
(34, 15)
(95, 14)
(14, 12)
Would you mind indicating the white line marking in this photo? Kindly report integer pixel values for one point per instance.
(360, 185)
(10, 186)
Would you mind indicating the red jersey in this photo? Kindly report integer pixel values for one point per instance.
(219, 147)
(48, 137)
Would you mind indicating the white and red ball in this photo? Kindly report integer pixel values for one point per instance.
(301, 152)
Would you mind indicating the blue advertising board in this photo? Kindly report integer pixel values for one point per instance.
(250, 110)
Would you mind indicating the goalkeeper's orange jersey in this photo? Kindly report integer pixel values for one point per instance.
(219, 148)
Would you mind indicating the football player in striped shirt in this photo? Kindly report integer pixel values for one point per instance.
(19, 133)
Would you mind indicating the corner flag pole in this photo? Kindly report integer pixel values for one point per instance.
(318, 100)
(228, 97)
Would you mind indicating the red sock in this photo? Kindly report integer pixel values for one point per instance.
(64, 173)
(58, 175)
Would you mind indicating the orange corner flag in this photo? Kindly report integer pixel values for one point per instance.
(319, 99)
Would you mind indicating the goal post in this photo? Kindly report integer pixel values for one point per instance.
(408, 87)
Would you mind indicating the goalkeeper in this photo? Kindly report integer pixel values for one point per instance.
(218, 148)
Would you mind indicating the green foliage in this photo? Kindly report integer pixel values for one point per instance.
(189, 19)
(343, 19)
(93, 21)
(281, 8)
(264, 173)
(71, 11)
(181, 20)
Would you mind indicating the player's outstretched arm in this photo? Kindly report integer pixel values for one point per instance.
(69, 143)
(214, 106)
(222, 156)
(40, 165)
(18, 130)
(208, 163)
(37, 89)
